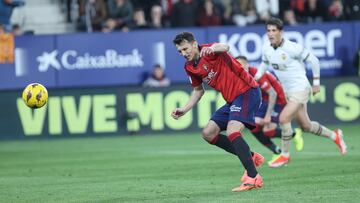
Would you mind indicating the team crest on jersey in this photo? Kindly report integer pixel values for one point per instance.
(209, 76)
(283, 56)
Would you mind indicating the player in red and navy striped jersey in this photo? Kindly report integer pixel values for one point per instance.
(211, 64)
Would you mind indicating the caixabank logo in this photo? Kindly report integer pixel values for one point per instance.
(73, 60)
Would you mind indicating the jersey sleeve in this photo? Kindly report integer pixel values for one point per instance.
(211, 57)
(264, 59)
(264, 83)
(298, 51)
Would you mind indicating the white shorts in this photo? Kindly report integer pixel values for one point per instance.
(299, 97)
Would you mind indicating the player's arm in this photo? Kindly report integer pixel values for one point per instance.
(315, 66)
(263, 65)
(262, 68)
(195, 97)
(215, 48)
(271, 103)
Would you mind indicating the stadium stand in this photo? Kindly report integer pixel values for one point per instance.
(42, 17)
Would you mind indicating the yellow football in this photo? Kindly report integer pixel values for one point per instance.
(35, 95)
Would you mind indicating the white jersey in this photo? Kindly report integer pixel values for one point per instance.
(288, 63)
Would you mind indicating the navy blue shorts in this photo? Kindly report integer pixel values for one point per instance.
(242, 109)
(274, 115)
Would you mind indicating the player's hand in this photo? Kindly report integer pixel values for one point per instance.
(267, 120)
(177, 113)
(206, 51)
(315, 89)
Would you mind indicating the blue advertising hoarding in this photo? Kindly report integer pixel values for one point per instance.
(357, 34)
(25, 68)
(117, 58)
(331, 43)
(107, 59)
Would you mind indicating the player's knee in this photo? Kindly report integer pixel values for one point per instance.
(283, 120)
(208, 135)
(286, 129)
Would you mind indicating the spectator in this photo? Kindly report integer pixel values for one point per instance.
(245, 13)
(157, 78)
(145, 5)
(157, 19)
(336, 11)
(16, 30)
(267, 9)
(184, 13)
(120, 14)
(289, 17)
(228, 11)
(6, 9)
(352, 9)
(67, 6)
(298, 6)
(92, 14)
(208, 14)
(167, 7)
(315, 11)
(139, 20)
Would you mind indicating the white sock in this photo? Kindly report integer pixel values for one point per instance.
(321, 130)
(286, 136)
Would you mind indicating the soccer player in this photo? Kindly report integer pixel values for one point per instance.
(287, 59)
(267, 117)
(211, 64)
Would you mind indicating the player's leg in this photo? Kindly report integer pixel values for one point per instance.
(211, 133)
(276, 132)
(241, 148)
(258, 130)
(316, 128)
(242, 112)
(218, 123)
(251, 178)
(286, 116)
(272, 129)
(259, 134)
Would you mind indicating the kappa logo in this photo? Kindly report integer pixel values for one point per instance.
(47, 60)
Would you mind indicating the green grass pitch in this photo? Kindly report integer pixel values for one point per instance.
(172, 168)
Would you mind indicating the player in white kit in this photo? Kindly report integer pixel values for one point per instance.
(287, 59)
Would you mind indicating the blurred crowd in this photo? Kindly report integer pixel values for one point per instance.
(6, 9)
(125, 15)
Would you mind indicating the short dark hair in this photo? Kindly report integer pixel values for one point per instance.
(157, 65)
(179, 38)
(277, 22)
(242, 57)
